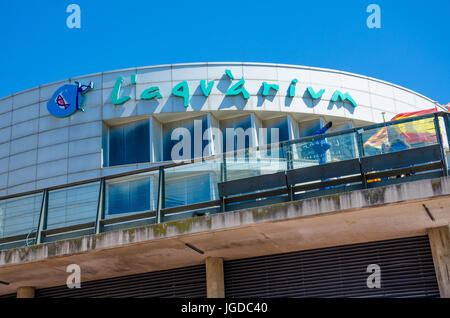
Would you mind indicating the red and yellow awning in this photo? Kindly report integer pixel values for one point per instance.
(414, 131)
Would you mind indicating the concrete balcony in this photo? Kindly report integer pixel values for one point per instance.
(394, 211)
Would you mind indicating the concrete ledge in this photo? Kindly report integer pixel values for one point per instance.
(353, 217)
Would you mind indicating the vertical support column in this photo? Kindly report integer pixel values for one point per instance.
(255, 124)
(161, 195)
(42, 225)
(446, 118)
(360, 145)
(292, 128)
(359, 142)
(294, 134)
(211, 126)
(215, 285)
(440, 248)
(100, 207)
(25, 292)
(447, 126)
(156, 141)
(439, 140)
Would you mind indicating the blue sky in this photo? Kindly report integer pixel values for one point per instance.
(412, 49)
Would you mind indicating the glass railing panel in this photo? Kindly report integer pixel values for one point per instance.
(20, 215)
(131, 194)
(323, 150)
(71, 206)
(397, 137)
(255, 162)
(192, 183)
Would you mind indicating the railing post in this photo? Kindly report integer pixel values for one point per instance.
(42, 225)
(100, 208)
(439, 140)
(222, 171)
(289, 156)
(223, 178)
(287, 150)
(360, 144)
(224, 168)
(447, 126)
(161, 195)
(359, 141)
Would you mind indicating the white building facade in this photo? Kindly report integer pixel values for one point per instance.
(38, 150)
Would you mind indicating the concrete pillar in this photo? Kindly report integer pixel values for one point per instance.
(440, 248)
(215, 286)
(25, 292)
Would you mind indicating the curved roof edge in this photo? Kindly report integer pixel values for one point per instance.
(227, 63)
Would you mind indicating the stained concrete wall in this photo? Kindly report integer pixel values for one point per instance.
(440, 247)
(411, 192)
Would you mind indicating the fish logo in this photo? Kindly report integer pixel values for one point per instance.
(68, 99)
(61, 102)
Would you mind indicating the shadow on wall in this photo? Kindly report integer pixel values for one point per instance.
(341, 104)
(288, 100)
(310, 103)
(224, 84)
(237, 102)
(262, 98)
(150, 106)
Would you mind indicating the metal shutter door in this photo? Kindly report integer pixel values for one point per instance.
(406, 271)
(180, 282)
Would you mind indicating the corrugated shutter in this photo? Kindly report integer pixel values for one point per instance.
(181, 282)
(406, 271)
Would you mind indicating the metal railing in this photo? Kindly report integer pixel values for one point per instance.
(172, 191)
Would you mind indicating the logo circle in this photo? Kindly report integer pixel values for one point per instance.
(64, 101)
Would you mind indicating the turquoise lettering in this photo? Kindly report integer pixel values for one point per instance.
(313, 94)
(268, 87)
(182, 90)
(206, 90)
(292, 87)
(150, 93)
(115, 95)
(228, 72)
(343, 97)
(237, 89)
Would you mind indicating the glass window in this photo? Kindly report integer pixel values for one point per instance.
(276, 130)
(192, 129)
(129, 143)
(237, 133)
(309, 127)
